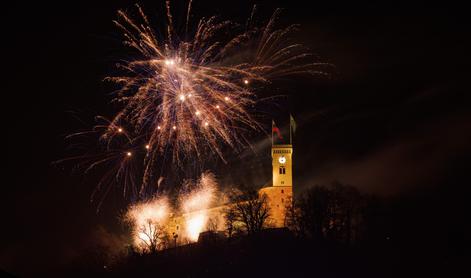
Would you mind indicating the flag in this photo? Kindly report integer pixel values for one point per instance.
(276, 130)
(292, 123)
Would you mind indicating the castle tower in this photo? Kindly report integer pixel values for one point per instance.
(282, 165)
(280, 194)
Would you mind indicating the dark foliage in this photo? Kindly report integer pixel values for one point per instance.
(336, 214)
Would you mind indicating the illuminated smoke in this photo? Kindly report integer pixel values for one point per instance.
(193, 211)
(195, 204)
(195, 224)
(147, 219)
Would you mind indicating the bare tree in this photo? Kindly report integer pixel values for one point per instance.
(293, 218)
(249, 210)
(230, 220)
(153, 236)
(333, 213)
(315, 211)
(347, 203)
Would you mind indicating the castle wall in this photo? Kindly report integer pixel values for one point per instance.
(279, 197)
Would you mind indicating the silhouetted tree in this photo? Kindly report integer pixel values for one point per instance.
(250, 210)
(334, 213)
(345, 203)
(230, 220)
(292, 218)
(153, 237)
(315, 212)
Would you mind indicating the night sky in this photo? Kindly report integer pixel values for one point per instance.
(393, 116)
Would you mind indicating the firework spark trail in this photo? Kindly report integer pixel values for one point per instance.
(188, 95)
(188, 12)
(183, 99)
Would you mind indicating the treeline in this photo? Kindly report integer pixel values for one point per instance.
(338, 213)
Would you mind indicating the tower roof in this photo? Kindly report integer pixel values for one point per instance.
(282, 146)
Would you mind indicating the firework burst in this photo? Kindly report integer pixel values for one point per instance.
(191, 94)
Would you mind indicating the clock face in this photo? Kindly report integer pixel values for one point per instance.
(282, 159)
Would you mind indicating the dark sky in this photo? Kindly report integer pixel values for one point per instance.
(394, 114)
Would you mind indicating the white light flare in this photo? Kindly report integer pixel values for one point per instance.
(195, 225)
(195, 205)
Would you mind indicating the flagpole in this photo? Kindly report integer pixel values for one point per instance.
(290, 139)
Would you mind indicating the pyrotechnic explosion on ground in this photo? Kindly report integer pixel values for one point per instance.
(188, 94)
(150, 220)
(147, 220)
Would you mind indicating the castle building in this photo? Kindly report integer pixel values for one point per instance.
(279, 192)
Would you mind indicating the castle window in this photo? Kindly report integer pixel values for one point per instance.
(282, 191)
(282, 170)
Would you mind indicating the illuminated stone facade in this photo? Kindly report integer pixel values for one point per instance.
(279, 194)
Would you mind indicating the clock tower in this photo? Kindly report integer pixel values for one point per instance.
(282, 165)
(280, 193)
